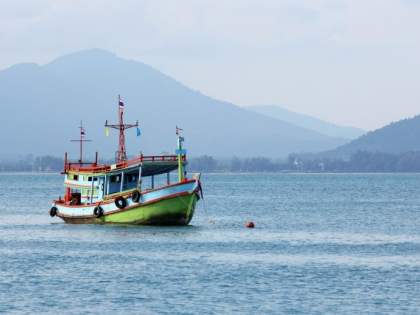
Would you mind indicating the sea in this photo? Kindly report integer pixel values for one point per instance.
(322, 244)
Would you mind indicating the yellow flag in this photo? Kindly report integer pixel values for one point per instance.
(106, 131)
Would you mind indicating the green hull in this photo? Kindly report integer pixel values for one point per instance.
(172, 211)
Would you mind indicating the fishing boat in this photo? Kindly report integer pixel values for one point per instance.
(117, 193)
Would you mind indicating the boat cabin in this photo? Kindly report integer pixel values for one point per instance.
(89, 183)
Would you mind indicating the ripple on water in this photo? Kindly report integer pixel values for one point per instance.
(324, 244)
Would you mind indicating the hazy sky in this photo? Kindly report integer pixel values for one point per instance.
(354, 62)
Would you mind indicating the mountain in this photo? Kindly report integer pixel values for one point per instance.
(395, 138)
(42, 107)
(308, 122)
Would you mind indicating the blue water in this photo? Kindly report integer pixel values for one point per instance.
(323, 244)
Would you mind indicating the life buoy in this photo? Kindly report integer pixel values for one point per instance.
(98, 212)
(136, 196)
(120, 202)
(53, 211)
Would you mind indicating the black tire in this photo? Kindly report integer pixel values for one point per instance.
(136, 196)
(98, 212)
(120, 202)
(53, 212)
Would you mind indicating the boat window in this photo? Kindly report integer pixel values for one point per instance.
(131, 178)
(90, 178)
(75, 177)
(115, 178)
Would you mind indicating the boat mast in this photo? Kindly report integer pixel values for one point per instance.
(121, 153)
(180, 152)
(81, 140)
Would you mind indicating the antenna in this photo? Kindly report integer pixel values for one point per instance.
(121, 153)
(81, 140)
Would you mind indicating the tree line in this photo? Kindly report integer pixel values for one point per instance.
(30, 163)
(361, 161)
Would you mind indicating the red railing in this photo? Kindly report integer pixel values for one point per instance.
(94, 167)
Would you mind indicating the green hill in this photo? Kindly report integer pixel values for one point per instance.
(395, 138)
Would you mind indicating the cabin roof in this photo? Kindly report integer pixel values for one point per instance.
(151, 165)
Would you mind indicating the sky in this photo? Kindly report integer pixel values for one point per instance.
(351, 62)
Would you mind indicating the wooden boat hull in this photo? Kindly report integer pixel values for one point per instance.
(174, 211)
(173, 205)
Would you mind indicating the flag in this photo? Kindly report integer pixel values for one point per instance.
(106, 131)
(138, 132)
(121, 103)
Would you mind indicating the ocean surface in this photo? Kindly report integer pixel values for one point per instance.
(323, 244)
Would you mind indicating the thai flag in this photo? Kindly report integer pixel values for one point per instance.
(121, 103)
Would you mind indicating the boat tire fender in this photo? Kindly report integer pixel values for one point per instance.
(136, 196)
(53, 211)
(120, 202)
(98, 211)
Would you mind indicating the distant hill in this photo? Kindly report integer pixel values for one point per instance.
(395, 138)
(43, 105)
(308, 122)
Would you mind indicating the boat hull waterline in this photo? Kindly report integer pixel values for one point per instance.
(170, 205)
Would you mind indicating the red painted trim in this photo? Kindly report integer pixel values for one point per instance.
(184, 193)
(94, 168)
(181, 194)
(107, 201)
(111, 200)
(60, 215)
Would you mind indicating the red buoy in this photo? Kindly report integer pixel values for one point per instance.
(250, 225)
